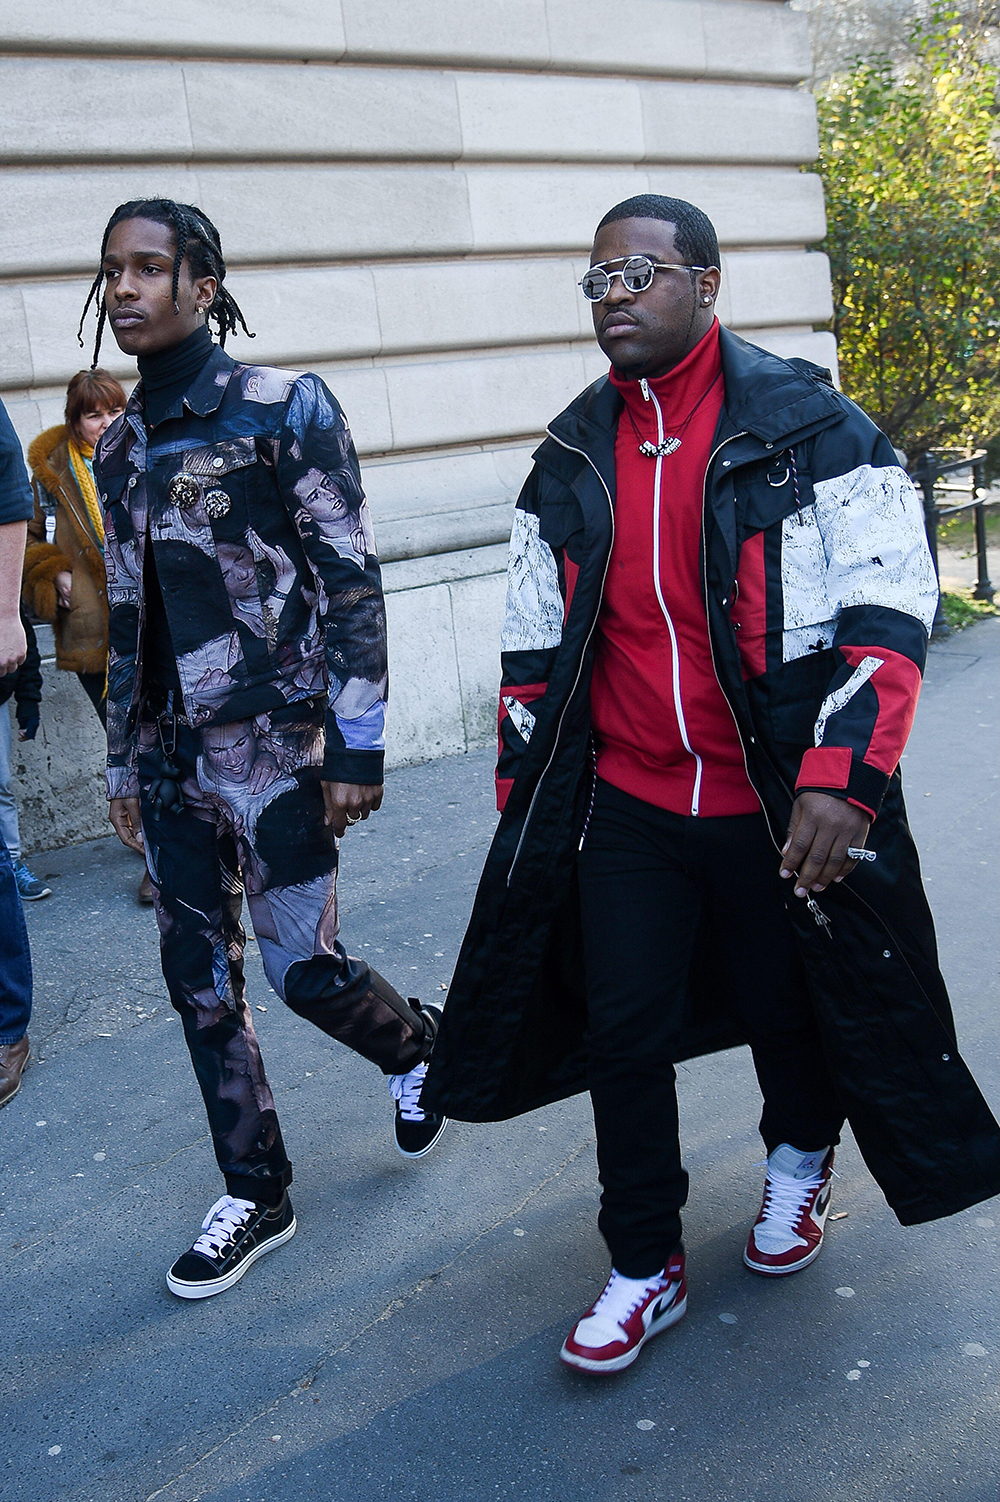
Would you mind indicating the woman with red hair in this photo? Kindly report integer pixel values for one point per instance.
(64, 578)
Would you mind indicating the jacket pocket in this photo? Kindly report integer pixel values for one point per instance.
(793, 695)
(768, 492)
(220, 459)
(213, 484)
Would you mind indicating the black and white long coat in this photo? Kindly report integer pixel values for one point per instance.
(820, 595)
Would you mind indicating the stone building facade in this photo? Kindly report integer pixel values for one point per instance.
(407, 193)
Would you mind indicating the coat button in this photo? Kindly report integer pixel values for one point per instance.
(131, 482)
(946, 1058)
(218, 462)
(726, 463)
(769, 445)
(887, 954)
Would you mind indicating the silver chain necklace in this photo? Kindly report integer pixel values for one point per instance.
(650, 450)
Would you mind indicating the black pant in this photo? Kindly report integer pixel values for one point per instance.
(647, 878)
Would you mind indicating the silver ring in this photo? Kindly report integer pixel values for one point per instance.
(353, 821)
(858, 853)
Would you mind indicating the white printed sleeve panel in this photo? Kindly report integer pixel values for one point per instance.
(531, 636)
(534, 616)
(860, 566)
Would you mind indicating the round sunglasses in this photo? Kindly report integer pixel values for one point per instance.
(637, 274)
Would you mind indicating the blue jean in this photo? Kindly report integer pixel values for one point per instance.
(9, 831)
(15, 956)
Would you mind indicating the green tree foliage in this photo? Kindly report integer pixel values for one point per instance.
(909, 163)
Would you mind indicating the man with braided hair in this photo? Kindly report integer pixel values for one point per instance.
(246, 700)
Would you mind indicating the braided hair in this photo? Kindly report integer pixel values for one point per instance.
(198, 239)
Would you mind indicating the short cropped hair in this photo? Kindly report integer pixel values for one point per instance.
(92, 391)
(694, 232)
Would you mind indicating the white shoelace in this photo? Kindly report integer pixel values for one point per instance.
(225, 1217)
(621, 1296)
(784, 1201)
(406, 1089)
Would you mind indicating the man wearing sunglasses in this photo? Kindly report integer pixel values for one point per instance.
(719, 599)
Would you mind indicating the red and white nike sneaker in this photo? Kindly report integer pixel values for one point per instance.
(788, 1233)
(629, 1312)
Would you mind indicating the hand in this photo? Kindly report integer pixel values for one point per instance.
(347, 802)
(124, 816)
(28, 731)
(63, 582)
(819, 833)
(13, 645)
(284, 568)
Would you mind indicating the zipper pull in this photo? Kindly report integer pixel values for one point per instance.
(822, 921)
(644, 389)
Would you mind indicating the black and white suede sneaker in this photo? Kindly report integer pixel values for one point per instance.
(234, 1234)
(416, 1131)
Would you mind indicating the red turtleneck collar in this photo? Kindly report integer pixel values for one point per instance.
(679, 389)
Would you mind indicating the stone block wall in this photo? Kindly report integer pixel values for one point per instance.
(407, 196)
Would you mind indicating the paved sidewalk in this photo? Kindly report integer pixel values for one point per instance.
(403, 1345)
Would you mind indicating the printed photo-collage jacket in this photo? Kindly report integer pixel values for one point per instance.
(250, 497)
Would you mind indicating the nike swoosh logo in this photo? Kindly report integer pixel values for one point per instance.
(822, 1201)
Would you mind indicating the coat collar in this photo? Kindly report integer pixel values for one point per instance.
(774, 400)
(48, 460)
(203, 396)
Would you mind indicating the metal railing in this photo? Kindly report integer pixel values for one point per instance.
(935, 467)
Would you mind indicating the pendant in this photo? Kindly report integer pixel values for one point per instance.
(659, 450)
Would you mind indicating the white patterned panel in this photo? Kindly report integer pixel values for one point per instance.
(807, 606)
(534, 614)
(872, 525)
(521, 717)
(806, 639)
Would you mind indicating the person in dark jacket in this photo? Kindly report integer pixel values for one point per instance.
(15, 955)
(247, 682)
(719, 599)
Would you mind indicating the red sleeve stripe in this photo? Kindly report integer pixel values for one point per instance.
(897, 686)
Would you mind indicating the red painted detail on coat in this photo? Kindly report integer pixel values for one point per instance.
(504, 785)
(897, 686)
(749, 612)
(863, 807)
(825, 767)
(572, 573)
(640, 745)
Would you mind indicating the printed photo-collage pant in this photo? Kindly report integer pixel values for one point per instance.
(252, 821)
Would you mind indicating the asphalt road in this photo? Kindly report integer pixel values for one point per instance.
(404, 1345)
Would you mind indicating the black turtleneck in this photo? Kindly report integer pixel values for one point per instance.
(167, 375)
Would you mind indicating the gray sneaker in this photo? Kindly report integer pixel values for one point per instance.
(29, 887)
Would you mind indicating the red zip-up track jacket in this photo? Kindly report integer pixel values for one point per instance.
(662, 728)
